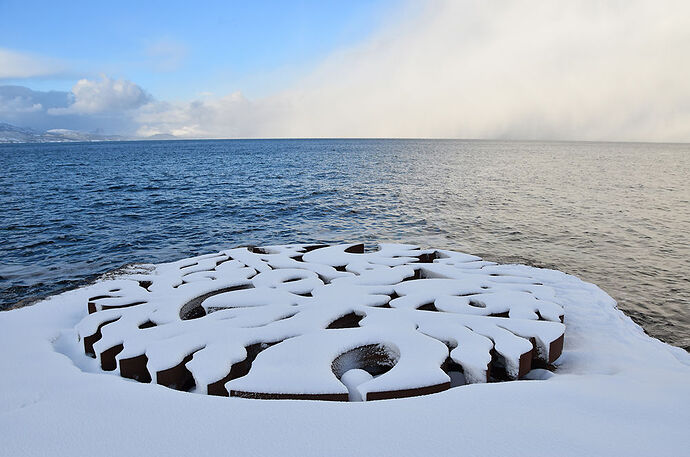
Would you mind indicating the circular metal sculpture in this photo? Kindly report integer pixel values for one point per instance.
(324, 323)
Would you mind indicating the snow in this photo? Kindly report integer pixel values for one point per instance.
(261, 303)
(615, 391)
(353, 378)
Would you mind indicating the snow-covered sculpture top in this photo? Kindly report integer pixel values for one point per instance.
(324, 322)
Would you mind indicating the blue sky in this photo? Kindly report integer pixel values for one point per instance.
(515, 69)
(177, 49)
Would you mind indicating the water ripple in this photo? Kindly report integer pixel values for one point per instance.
(613, 214)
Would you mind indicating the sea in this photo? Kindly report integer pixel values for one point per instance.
(615, 214)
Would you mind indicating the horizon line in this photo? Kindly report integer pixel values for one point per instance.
(149, 139)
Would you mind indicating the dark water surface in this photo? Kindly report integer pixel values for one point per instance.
(614, 214)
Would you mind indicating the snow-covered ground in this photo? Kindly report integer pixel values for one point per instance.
(616, 391)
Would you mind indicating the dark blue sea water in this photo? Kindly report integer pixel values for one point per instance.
(614, 214)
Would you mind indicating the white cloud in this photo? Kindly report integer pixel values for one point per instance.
(587, 70)
(18, 106)
(25, 107)
(17, 65)
(224, 117)
(106, 95)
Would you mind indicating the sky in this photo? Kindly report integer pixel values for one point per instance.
(505, 69)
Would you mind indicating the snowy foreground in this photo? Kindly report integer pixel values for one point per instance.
(615, 391)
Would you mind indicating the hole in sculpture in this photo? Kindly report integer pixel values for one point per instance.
(193, 309)
(427, 307)
(355, 249)
(314, 247)
(127, 305)
(375, 359)
(222, 261)
(417, 275)
(99, 297)
(350, 320)
(476, 304)
(306, 294)
(503, 314)
(454, 372)
(428, 258)
(392, 296)
(372, 359)
(497, 367)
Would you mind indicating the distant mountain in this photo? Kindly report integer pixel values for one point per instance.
(13, 134)
(161, 136)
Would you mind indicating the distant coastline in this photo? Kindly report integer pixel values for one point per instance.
(11, 134)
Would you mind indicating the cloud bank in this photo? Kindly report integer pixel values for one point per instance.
(586, 70)
(104, 96)
(105, 105)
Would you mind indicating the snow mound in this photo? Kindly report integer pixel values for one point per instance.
(615, 392)
(289, 322)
